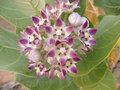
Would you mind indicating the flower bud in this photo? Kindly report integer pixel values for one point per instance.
(33, 55)
(75, 19)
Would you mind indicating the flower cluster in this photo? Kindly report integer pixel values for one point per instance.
(49, 42)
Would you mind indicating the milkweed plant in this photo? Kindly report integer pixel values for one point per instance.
(57, 48)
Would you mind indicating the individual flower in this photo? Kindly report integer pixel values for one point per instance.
(75, 19)
(38, 66)
(31, 39)
(59, 31)
(69, 7)
(53, 71)
(40, 23)
(86, 36)
(33, 55)
(62, 70)
(53, 12)
(62, 50)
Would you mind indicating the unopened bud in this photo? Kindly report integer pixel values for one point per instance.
(75, 19)
(33, 55)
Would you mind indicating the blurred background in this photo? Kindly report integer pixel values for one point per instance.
(7, 79)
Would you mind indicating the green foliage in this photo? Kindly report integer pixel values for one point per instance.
(89, 68)
(109, 6)
(29, 7)
(13, 15)
(46, 84)
(10, 57)
(82, 4)
(93, 73)
(106, 83)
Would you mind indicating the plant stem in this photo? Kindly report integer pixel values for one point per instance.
(34, 8)
(66, 16)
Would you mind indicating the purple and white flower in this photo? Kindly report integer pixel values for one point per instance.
(59, 31)
(49, 40)
(62, 50)
(53, 12)
(69, 7)
(38, 66)
(31, 39)
(86, 36)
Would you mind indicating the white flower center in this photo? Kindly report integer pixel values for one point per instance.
(62, 50)
(41, 22)
(58, 32)
(31, 39)
(53, 11)
(86, 35)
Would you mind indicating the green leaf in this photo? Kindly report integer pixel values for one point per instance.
(90, 68)
(45, 84)
(109, 6)
(107, 35)
(52, 2)
(13, 15)
(10, 57)
(29, 7)
(92, 77)
(100, 17)
(82, 4)
(106, 83)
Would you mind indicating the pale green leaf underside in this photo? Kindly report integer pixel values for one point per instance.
(13, 15)
(28, 6)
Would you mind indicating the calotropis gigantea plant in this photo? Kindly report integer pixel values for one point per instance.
(59, 49)
(50, 39)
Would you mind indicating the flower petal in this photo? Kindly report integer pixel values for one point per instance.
(48, 6)
(69, 29)
(38, 73)
(52, 41)
(57, 4)
(85, 25)
(92, 31)
(31, 67)
(92, 42)
(48, 29)
(73, 54)
(23, 41)
(62, 61)
(58, 23)
(61, 76)
(35, 20)
(75, 2)
(29, 30)
(43, 14)
(73, 69)
(76, 59)
(65, 1)
(70, 41)
(57, 42)
(51, 53)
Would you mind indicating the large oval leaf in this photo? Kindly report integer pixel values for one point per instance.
(106, 83)
(45, 84)
(107, 36)
(92, 77)
(13, 15)
(109, 6)
(29, 7)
